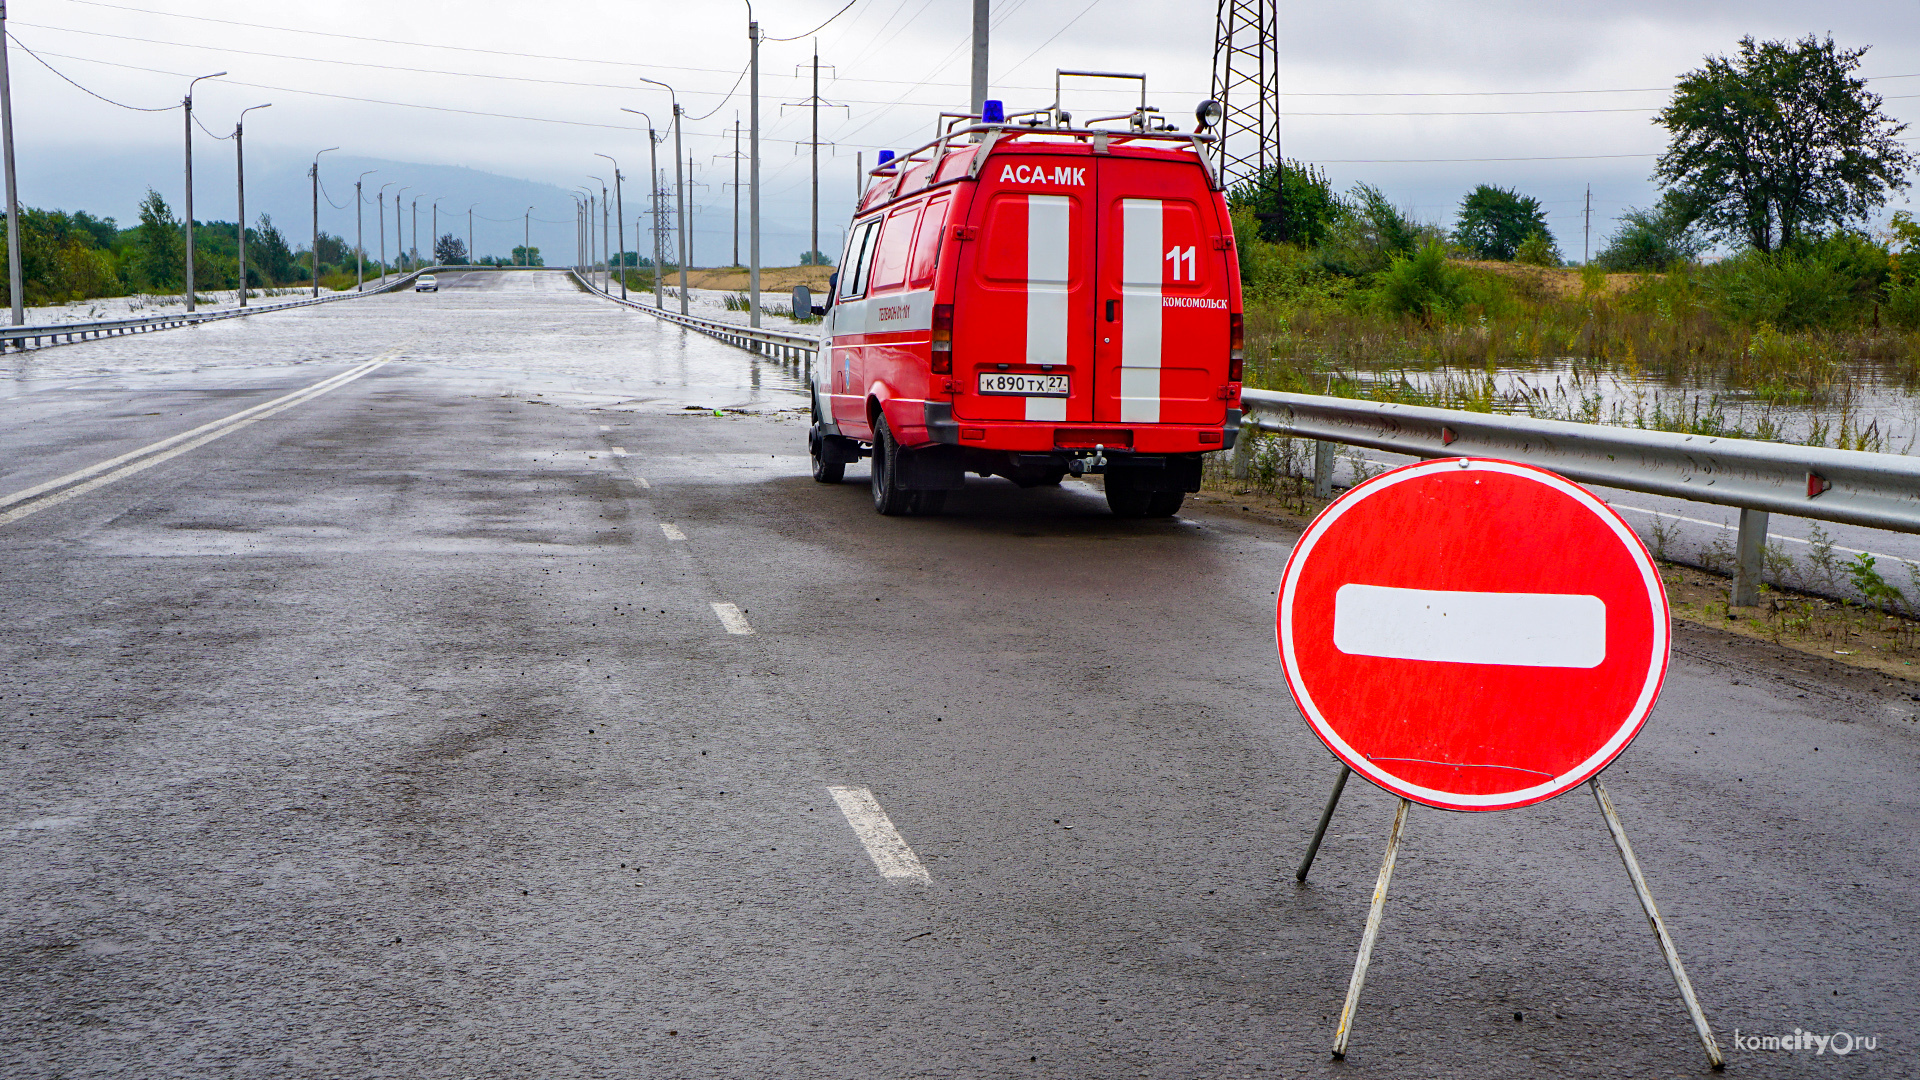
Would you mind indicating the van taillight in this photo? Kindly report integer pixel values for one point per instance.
(943, 339)
(1237, 346)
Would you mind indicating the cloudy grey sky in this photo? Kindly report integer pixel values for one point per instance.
(1423, 99)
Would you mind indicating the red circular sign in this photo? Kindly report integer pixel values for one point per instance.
(1473, 634)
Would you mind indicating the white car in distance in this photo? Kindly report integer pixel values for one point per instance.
(426, 283)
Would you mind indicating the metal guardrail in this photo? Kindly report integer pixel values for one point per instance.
(777, 343)
(1878, 491)
(45, 334)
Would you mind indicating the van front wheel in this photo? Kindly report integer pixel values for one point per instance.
(828, 466)
(889, 497)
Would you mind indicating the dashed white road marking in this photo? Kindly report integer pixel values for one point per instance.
(605, 427)
(673, 531)
(619, 451)
(167, 449)
(731, 618)
(891, 855)
(641, 481)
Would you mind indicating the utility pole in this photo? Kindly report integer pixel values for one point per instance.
(14, 283)
(737, 157)
(859, 179)
(240, 177)
(433, 239)
(1586, 232)
(415, 246)
(359, 244)
(653, 200)
(813, 103)
(526, 237)
(186, 106)
(979, 97)
(314, 174)
(380, 212)
(471, 257)
(753, 174)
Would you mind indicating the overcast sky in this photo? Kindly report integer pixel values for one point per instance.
(534, 91)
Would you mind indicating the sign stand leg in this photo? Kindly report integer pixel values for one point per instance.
(1659, 927)
(1372, 932)
(1326, 815)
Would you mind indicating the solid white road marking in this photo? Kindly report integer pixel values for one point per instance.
(166, 449)
(891, 855)
(1515, 629)
(619, 451)
(673, 531)
(731, 618)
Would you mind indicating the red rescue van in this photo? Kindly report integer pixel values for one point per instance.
(1032, 299)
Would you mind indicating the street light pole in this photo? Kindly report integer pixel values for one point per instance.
(15, 285)
(433, 239)
(359, 242)
(620, 216)
(679, 189)
(399, 230)
(415, 246)
(314, 174)
(526, 238)
(653, 199)
(186, 106)
(382, 215)
(470, 255)
(753, 168)
(240, 175)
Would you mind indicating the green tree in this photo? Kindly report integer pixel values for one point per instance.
(450, 250)
(1652, 240)
(526, 256)
(815, 258)
(1302, 209)
(269, 257)
(1494, 222)
(1781, 141)
(161, 263)
(1369, 233)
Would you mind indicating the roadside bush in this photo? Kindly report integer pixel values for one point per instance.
(1652, 240)
(1425, 284)
(1538, 250)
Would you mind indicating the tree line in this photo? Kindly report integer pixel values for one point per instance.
(77, 256)
(1778, 157)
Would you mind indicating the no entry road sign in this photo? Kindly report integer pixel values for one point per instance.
(1473, 634)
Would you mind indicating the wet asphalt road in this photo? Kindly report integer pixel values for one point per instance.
(393, 735)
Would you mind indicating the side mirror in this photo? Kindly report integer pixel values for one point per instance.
(802, 302)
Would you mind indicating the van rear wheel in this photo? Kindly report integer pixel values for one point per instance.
(1165, 503)
(889, 497)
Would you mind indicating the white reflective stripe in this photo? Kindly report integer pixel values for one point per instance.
(1140, 277)
(886, 313)
(1049, 243)
(1046, 408)
(1564, 630)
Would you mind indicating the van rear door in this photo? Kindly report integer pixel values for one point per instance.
(1162, 292)
(1023, 312)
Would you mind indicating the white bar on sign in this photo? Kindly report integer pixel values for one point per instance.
(1516, 629)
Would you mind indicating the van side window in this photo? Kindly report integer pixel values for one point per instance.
(896, 240)
(853, 270)
(926, 244)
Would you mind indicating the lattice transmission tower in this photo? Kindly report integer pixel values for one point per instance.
(1246, 79)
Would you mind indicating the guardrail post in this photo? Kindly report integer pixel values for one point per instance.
(1243, 452)
(1751, 549)
(1322, 470)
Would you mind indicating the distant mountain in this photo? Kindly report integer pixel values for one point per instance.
(112, 184)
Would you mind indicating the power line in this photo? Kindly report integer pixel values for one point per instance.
(724, 100)
(341, 97)
(1049, 41)
(816, 29)
(57, 71)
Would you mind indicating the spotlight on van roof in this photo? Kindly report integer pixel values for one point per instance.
(886, 156)
(993, 112)
(1209, 113)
